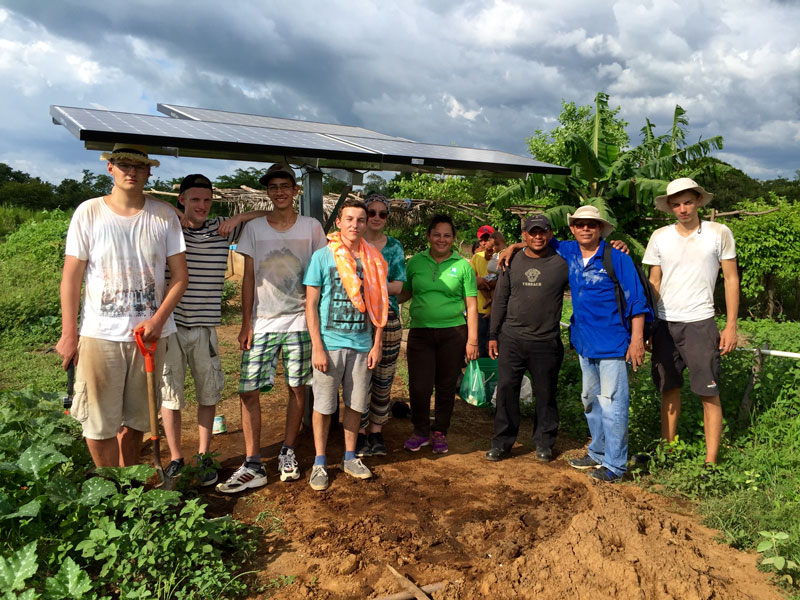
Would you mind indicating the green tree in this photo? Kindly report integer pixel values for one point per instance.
(768, 252)
(621, 183)
(579, 120)
(34, 194)
(70, 192)
(9, 174)
(240, 177)
(375, 184)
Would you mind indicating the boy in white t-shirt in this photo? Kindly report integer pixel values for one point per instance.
(685, 259)
(276, 252)
(122, 244)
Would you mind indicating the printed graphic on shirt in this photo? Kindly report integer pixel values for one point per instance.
(128, 293)
(283, 270)
(532, 275)
(343, 316)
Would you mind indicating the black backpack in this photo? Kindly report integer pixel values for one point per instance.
(651, 319)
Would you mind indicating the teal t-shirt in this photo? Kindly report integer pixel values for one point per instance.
(439, 290)
(396, 259)
(341, 324)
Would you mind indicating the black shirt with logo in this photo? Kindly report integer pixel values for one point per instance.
(528, 298)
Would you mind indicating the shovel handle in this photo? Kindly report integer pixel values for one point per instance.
(148, 353)
(71, 378)
(149, 367)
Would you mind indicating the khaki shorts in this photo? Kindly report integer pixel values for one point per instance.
(197, 347)
(111, 387)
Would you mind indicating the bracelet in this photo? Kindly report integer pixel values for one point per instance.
(471, 344)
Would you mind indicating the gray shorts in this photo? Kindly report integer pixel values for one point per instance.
(677, 346)
(347, 368)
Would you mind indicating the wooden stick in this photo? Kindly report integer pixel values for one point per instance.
(428, 589)
(409, 585)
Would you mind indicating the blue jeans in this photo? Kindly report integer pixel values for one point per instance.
(605, 402)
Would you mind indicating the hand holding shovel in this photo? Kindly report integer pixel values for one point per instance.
(150, 366)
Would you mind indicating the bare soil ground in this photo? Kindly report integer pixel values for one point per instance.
(514, 529)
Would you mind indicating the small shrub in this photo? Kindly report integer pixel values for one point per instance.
(105, 536)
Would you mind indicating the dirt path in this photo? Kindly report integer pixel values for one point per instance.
(514, 529)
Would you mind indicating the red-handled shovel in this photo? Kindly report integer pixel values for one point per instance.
(149, 368)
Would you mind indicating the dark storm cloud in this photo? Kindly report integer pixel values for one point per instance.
(471, 73)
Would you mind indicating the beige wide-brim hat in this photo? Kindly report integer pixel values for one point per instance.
(130, 152)
(591, 212)
(681, 185)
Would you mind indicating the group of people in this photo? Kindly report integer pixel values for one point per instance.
(607, 329)
(329, 305)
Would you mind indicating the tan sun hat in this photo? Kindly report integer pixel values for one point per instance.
(130, 152)
(591, 212)
(681, 185)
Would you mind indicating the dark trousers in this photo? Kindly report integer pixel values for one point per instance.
(435, 358)
(483, 335)
(543, 360)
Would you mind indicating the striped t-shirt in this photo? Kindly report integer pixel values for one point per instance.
(207, 260)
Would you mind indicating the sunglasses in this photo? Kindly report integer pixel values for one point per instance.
(374, 213)
(585, 224)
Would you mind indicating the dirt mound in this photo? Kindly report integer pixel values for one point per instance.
(514, 529)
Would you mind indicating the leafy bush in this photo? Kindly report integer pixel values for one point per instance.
(30, 265)
(66, 536)
(768, 251)
(11, 217)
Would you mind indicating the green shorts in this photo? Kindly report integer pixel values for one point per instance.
(260, 361)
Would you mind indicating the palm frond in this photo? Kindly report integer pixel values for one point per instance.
(602, 205)
(680, 122)
(558, 215)
(584, 162)
(635, 247)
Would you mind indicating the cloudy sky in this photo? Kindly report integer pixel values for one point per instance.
(471, 73)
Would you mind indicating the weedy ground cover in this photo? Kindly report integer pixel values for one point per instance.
(68, 534)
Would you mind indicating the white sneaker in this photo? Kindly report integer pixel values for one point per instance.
(244, 477)
(287, 465)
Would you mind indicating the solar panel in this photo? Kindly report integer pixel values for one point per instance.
(92, 124)
(223, 116)
(252, 139)
(394, 149)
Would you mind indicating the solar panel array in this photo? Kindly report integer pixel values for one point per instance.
(223, 116)
(220, 134)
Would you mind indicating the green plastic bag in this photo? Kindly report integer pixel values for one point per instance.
(473, 389)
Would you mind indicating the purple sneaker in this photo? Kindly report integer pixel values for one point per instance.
(439, 443)
(415, 442)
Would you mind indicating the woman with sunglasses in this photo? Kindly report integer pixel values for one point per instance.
(441, 285)
(370, 439)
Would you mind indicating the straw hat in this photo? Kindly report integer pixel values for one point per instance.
(591, 212)
(131, 153)
(681, 185)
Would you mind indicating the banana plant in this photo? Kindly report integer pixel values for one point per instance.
(621, 183)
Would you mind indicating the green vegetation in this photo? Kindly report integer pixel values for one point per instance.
(69, 536)
(61, 544)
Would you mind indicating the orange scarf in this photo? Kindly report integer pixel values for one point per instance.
(374, 267)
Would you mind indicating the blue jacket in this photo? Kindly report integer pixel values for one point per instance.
(596, 330)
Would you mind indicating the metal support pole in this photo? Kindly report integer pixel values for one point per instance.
(311, 206)
(311, 200)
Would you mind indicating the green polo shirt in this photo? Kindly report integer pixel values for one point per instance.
(439, 290)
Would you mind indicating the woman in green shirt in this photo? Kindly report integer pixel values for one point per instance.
(441, 285)
(372, 444)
